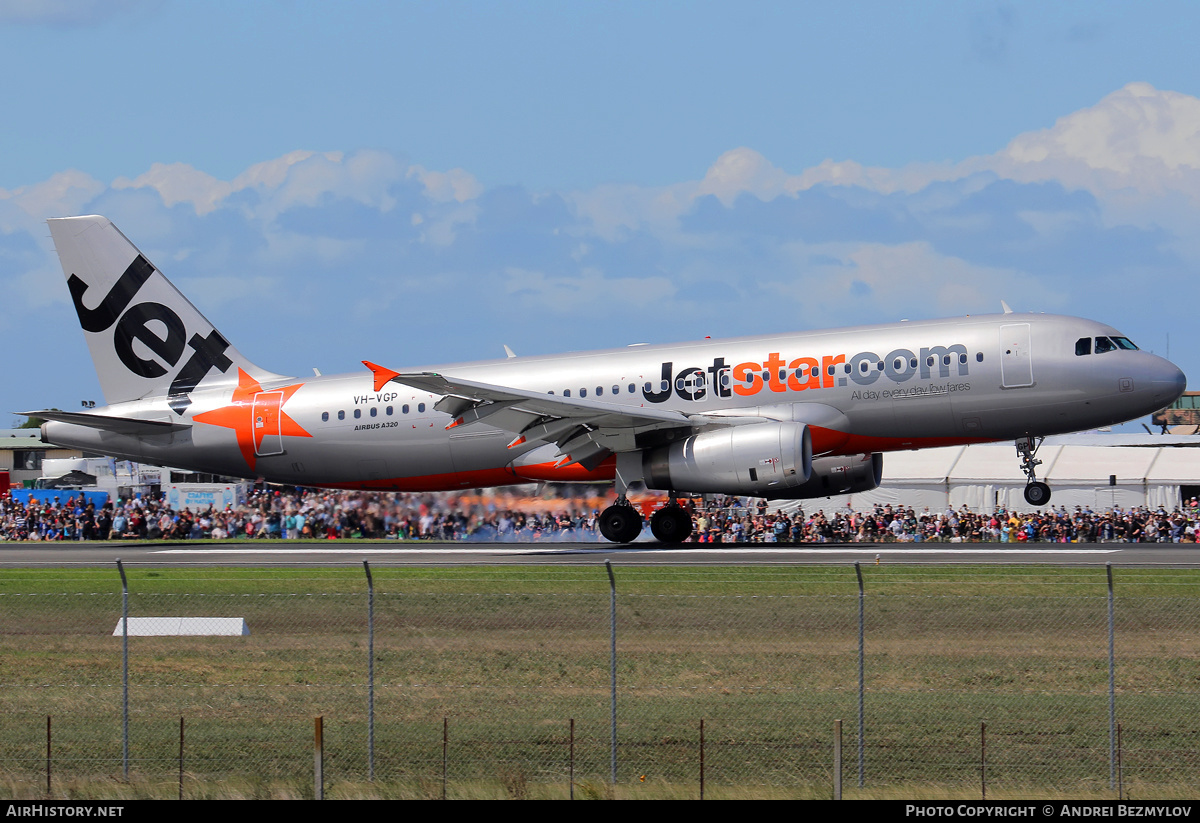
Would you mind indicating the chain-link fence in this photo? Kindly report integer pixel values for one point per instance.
(504, 683)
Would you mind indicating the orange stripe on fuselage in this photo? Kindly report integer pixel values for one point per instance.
(483, 478)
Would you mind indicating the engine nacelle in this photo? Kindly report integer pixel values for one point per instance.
(839, 475)
(760, 460)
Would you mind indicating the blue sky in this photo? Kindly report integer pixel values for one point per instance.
(418, 183)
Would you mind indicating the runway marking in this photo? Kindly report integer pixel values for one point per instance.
(549, 548)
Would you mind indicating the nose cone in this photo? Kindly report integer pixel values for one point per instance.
(1169, 383)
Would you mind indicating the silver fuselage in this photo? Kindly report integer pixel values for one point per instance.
(859, 390)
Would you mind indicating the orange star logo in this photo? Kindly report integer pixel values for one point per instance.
(257, 418)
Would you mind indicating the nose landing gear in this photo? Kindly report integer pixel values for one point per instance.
(1036, 492)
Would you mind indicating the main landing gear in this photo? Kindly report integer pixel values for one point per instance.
(621, 522)
(672, 523)
(1036, 492)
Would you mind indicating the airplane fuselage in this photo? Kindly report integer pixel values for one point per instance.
(858, 390)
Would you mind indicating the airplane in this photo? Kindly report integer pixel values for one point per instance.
(781, 416)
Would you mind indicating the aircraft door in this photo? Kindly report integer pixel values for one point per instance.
(1016, 356)
(268, 438)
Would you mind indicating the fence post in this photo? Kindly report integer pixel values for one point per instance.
(983, 759)
(124, 670)
(861, 671)
(1120, 778)
(370, 673)
(1112, 693)
(181, 758)
(837, 760)
(702, 758)
(47, 756)
(612, 631)
(319, 759)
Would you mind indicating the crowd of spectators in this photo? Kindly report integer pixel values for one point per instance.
(323, 514)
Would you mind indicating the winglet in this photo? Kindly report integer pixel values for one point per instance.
(1004, 306)
(382, 375)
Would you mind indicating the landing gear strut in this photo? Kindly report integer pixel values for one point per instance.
(621, 522)
(671, 523)
(1036, 493)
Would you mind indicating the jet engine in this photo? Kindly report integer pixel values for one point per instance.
(760, 460)
(839, 475)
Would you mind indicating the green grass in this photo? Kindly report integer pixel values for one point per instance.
(766, 656)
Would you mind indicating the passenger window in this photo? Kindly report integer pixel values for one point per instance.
(1083, 346)
(566, 392)
(978, 357)
(388, 411)
(404, 408)
(583, 392)
(341, 415)
(631, 388)
(357, 413)
(420, 407)
(599, 391)
(324, 417)
(374, 411)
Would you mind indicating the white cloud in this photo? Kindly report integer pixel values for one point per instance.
(1131, 147)
(303, 178)
(444, 186)
(64, 193)
(1137, 138)
(905, 279)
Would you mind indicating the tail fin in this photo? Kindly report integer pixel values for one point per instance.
(146, 338)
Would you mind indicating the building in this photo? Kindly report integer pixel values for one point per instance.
(22, 452)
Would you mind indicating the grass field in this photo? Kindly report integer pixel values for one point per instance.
(506, 657)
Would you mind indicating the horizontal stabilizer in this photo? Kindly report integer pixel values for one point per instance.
(116, 425)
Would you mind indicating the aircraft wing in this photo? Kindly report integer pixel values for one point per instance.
(588, 430)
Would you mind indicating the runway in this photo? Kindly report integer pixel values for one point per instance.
(300, 554)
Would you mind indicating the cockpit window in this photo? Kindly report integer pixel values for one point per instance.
(1103, 344)
(1125, 343)
(1083, 346)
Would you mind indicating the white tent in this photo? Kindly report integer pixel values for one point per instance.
(1148, 471)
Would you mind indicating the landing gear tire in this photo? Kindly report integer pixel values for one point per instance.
(1037, 494)
(621, 523)
(671, 524)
